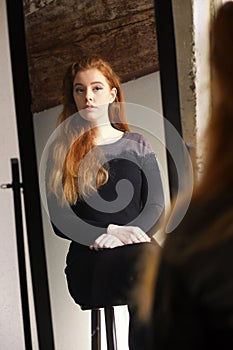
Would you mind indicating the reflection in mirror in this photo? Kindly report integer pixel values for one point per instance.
(124, 34)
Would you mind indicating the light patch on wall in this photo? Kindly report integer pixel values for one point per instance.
(34, 5)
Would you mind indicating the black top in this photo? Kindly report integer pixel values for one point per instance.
(133, 194)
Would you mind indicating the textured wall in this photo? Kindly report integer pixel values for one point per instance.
(34, 5)
(184, 34)
(123, 32)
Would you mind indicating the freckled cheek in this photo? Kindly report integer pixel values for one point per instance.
(79, 102)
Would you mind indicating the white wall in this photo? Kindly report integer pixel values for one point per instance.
(72, 325)
(202, 15)
(11, 328)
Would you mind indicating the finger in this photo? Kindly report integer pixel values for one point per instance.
(116, 229)
(113, 242)
(124, 237)
(98, 244)
(113, 228)
(117, 243)
(109, 241)
(135, 239)
(139, 234)
(128, 234)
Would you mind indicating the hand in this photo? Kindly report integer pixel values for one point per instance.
(106, 241)
(128, 234)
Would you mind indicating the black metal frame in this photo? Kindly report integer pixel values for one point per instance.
(171, 110)
(169, 80)
(16, 186)
(29, 174)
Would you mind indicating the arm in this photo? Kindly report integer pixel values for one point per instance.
(67, 224)
(144, 226)
(152, 197)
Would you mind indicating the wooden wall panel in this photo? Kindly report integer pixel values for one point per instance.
(123, 32)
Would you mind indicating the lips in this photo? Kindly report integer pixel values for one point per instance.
(90, 107)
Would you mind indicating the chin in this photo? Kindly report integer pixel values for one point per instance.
(93, 115)
(88, 115)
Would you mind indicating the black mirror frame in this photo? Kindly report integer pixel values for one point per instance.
(24, 119)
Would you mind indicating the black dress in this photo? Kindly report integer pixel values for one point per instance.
(132, 196)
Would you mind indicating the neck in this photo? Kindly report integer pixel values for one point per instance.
(107, 133)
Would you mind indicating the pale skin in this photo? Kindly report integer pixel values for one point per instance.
(92, 95)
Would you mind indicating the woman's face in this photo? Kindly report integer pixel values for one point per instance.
(92, 95)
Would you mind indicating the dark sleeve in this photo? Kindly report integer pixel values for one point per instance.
(152, 196)
(67, 224)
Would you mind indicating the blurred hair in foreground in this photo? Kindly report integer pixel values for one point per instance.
(187, 290)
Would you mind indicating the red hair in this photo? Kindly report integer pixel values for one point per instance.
(79, 181)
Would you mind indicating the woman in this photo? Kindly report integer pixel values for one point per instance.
(193, 306)
(104, 188)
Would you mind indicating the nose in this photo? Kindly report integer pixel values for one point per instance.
(89, 96)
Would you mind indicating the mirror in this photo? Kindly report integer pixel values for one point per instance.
(125, 33)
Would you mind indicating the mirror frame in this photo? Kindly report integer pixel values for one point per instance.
(28, 162)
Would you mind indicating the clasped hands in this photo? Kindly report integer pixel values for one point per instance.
(120, 235)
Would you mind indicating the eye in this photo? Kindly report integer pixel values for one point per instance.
(79, 90)
(97, 88)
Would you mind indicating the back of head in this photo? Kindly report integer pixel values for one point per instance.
(218, 175)
(222, 50)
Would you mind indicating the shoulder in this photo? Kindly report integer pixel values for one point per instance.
(137, 137)
(139, 142)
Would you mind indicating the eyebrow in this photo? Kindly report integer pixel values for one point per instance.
(94, 82)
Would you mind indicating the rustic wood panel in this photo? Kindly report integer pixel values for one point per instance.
(123, 32)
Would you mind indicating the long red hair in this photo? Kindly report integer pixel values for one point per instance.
(76, 138)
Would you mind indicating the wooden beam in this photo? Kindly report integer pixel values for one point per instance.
(123, 32)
